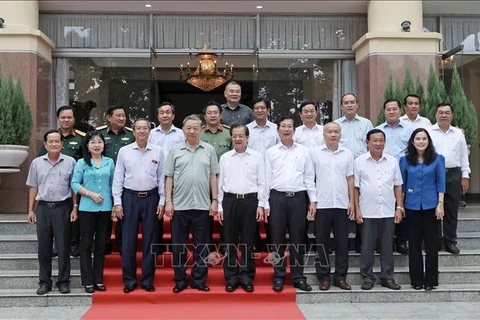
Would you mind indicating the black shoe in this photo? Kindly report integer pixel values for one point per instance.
(402, 248)
(43, 289)
(428, 288)
(247, 287)
(201, 287)
(89, 289)
(128, 289)
(417, 287)
(230, 287)
(367, 285)
(148, 287)
(302, 285)
(100, 287)
(278, 286)
(64, 288)
(75, 252)
(390, 284)
(451, 248)
(179, 287)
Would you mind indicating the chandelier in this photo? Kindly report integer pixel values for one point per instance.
(206, 77)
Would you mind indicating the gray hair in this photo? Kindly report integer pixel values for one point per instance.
(193, 117)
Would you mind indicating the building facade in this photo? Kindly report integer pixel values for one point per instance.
(93, 55)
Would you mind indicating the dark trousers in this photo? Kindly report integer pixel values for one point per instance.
(118, 235)
(325, 220)
(451, 203)
(93, 225)
(138, 210)
(75, 234)
(200, 223)
(53, 221)
(258, 237)
(384, 227)
(401, 231)
(239, 218)
(287, 213)
(423, 227)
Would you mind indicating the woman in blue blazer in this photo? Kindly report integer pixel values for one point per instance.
(423, 173)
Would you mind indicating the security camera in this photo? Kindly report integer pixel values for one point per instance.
(406, 26)
(1, 22)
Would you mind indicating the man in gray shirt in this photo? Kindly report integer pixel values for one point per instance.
(191, 176)
(50, 194)
(233, 110)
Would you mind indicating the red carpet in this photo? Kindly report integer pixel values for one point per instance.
(263, 303)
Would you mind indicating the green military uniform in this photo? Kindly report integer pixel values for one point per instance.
(114, 141)
(73, 144)
(220, 140)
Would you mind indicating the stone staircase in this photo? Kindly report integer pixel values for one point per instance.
(459, 275)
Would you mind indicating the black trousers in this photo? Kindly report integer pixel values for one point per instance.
(287, 213)
(118, 235)
(199, 221)
(53, 221)
(401, 231)
(239, 218)
(451, 203)
(325, 220)
(423, 227)
(138, 210)
(93, 228)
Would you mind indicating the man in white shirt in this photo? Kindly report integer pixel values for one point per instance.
(290, 178)
(450, 142)
(412, 106)
(166, 135)
(263, 135)
(333, 165)
(310, 134)
(354, 131)
(397, 134)
(378, 185)
(241, 199)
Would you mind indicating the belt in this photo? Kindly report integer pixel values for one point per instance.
(141, 194)
(289, 194)
(454, 169)
(240, 195)
(54, 204)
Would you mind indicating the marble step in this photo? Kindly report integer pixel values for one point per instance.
(28, 298)
(443, 293)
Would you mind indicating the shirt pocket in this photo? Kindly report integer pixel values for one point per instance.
(152, 169)
(64, 179)
(300, 163)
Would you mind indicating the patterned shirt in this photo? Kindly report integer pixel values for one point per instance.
(354, 134)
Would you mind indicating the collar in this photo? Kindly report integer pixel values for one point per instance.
(356, 118)
(61, 157)
(109, 128)
(220, 128)
(405, 117)
(381, 158)
(386, 124)
(267, 124)
(437, 127)
(247, 151)
(304, 127)
(70, 133)
(135, 146)
(201, 144)
(324, 147)
(172, 128)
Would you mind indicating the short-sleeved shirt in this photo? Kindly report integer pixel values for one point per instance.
(331, 171)
(191, 172)
(73, 144)
(94, 178)
(310, 138)
(262, 138)
(51, 179)
(376, 181)
(166, 140)
(354, 134)
(220, 140)
(396, 138)
(114, 141)
(419, 122)
(241, 114)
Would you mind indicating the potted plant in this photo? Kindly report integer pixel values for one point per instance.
(15, 125)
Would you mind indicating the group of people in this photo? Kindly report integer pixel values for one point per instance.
(398, 181)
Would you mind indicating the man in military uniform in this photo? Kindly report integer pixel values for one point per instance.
(73, 147)
(116, 135)
(215, 134)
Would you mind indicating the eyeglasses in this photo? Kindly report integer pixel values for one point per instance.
(142, 128)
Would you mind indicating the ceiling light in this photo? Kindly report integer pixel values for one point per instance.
(259, 7)
(206, 77)
(148, 6)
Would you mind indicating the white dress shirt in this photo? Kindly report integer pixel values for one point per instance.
(242, 173)
(376, 181)
(139, 171)
(331, 171)
(419, 122)
(166, 140)
(354, 134)
(453, 146)
(310, 138)
(262, 138)
(290, 169)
